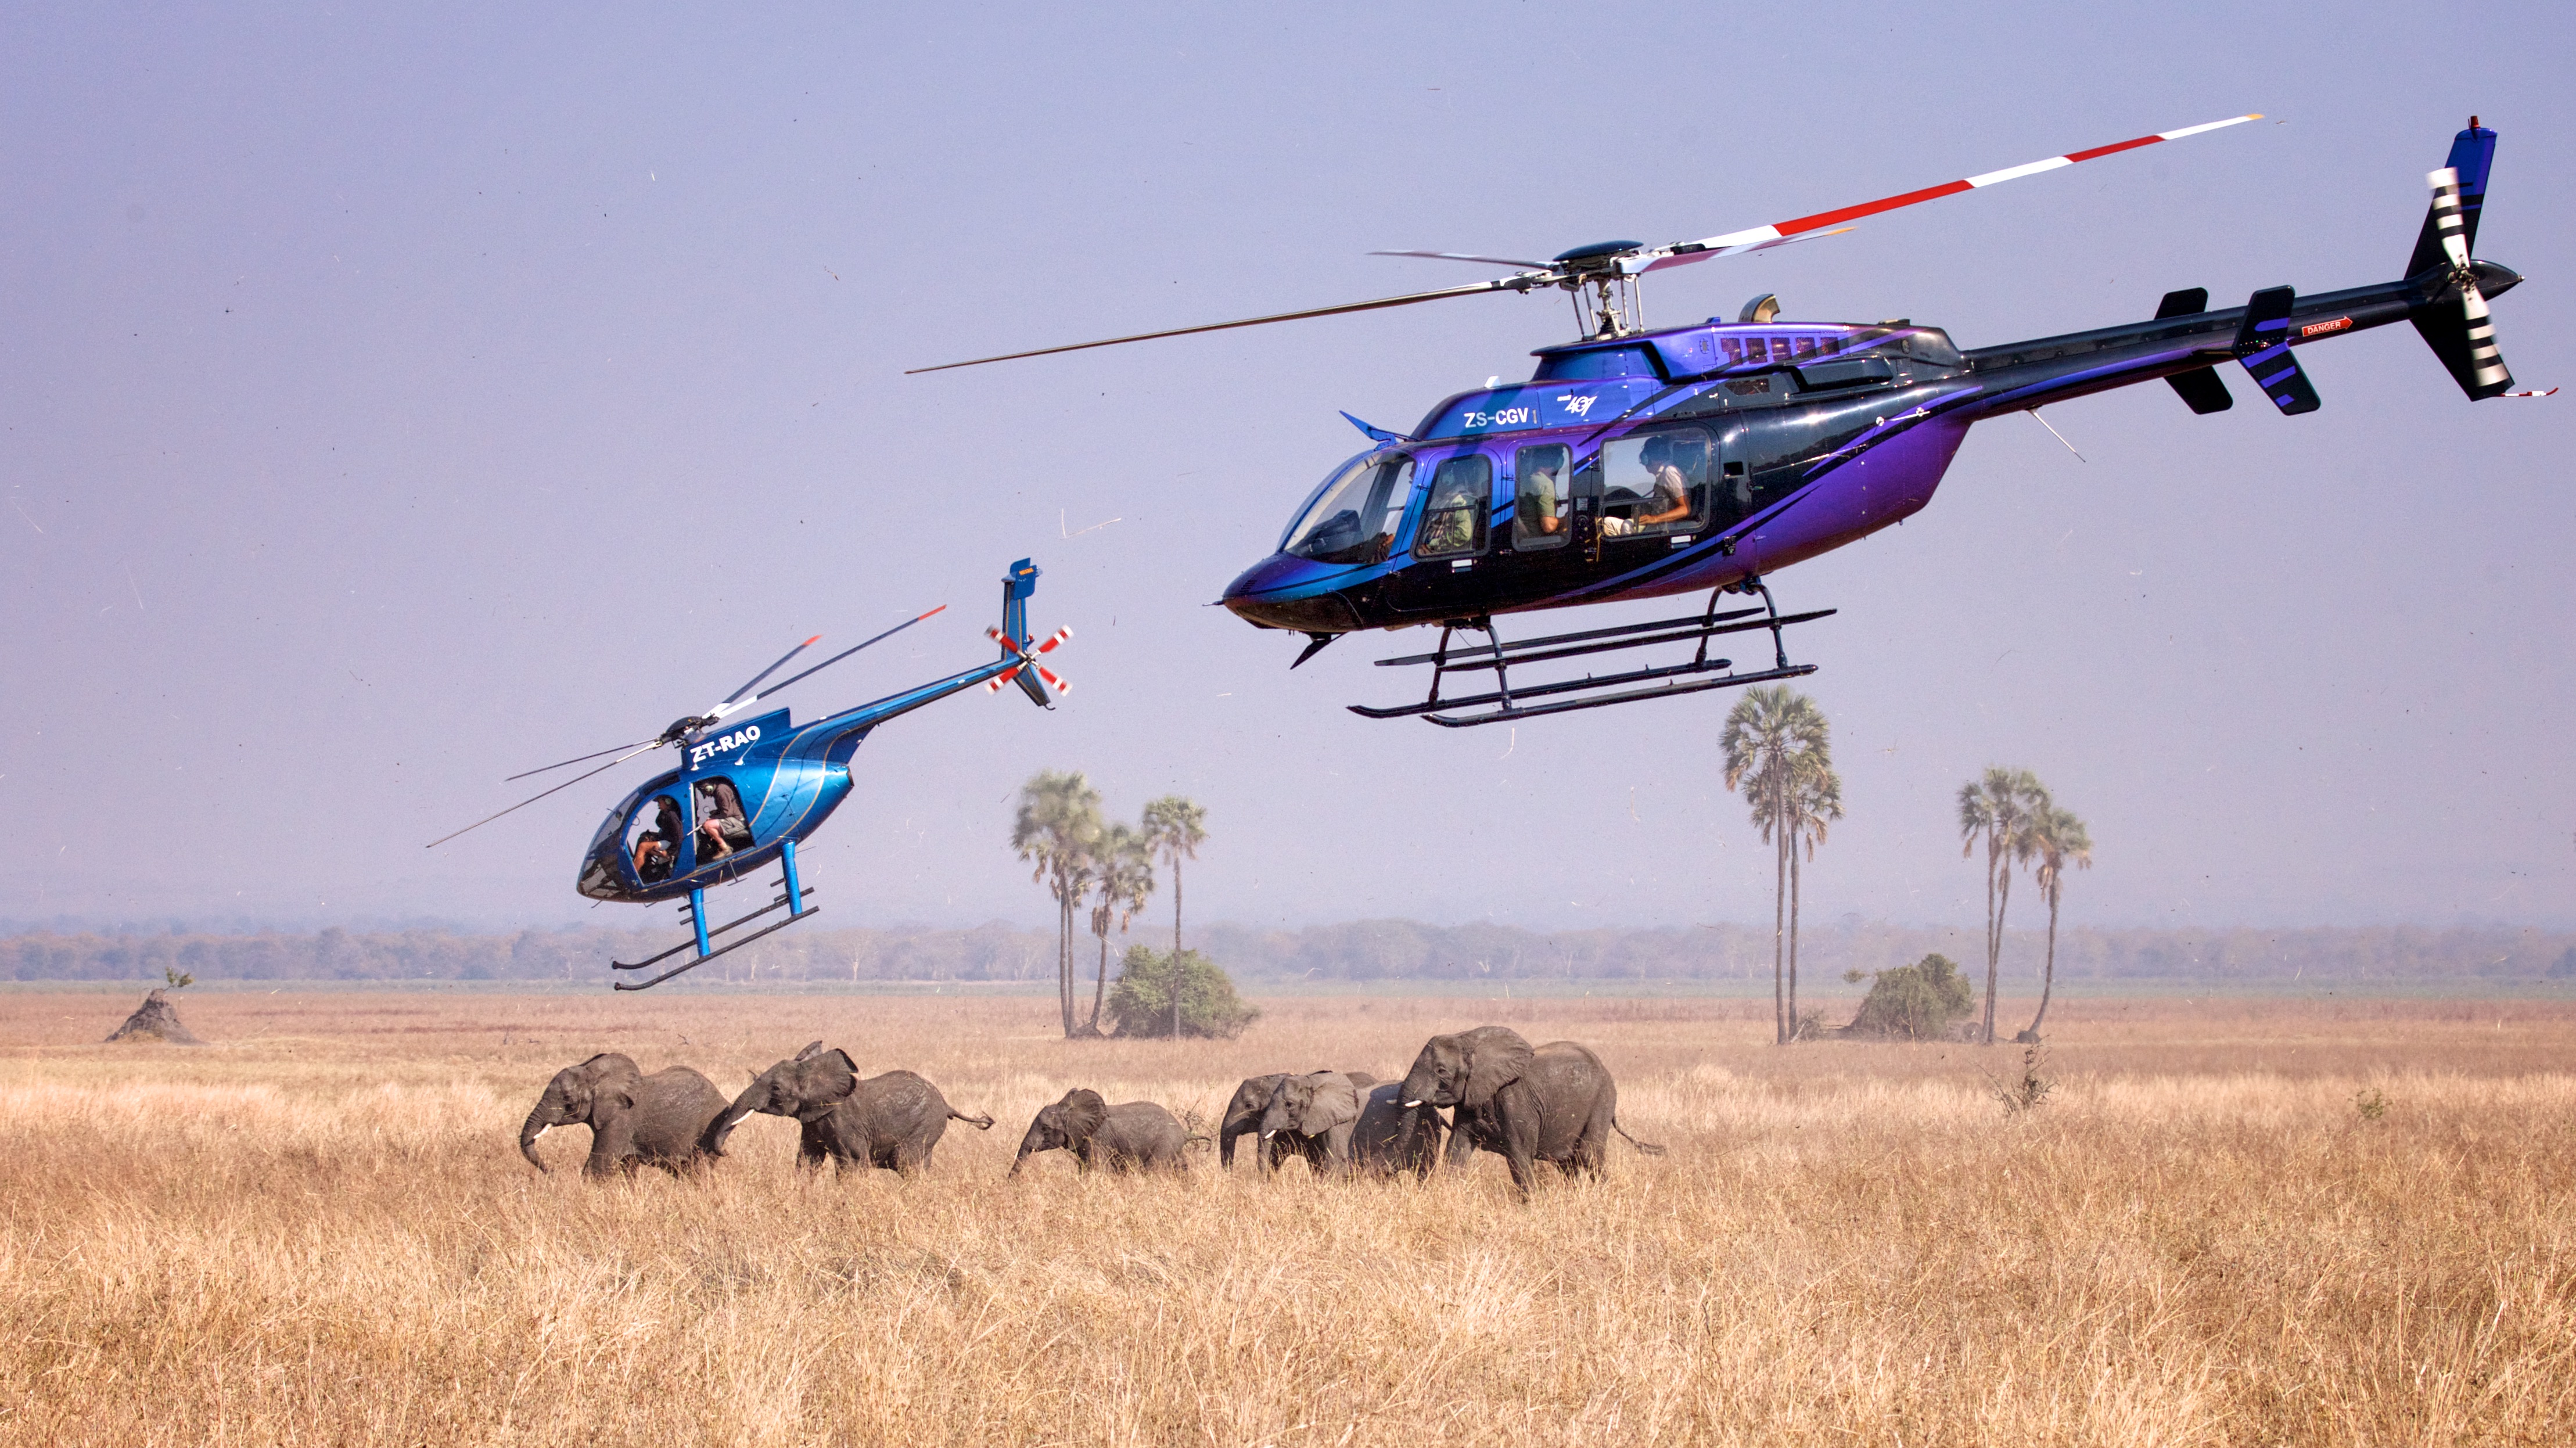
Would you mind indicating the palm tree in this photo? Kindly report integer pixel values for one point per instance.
(1056, 830)
(1768, 735)
(1175, 828)
(2059, 839)
(1815, 802)
(1999, 807)
(1122, 876)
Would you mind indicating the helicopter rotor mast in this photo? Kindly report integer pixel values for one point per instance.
(1612, 269)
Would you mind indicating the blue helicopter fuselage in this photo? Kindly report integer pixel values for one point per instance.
(782, 780)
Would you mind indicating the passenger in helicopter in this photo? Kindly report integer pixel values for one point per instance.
(657, 848)
(1667, 499)
(720, 819)
(1537, 513)
(1449, 523)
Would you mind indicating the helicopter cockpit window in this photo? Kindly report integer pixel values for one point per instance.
(653, 835)
(1453, 519)
(1541, 499)
(721, 826)
(1654, 483)
(1354, 519)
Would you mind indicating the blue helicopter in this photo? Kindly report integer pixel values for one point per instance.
(1641, 462)
(746, 794)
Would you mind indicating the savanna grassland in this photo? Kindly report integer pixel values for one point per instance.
(318, 1230)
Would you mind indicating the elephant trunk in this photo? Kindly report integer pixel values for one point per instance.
(713, 1140)
(1031, 1143)
(541, 1120)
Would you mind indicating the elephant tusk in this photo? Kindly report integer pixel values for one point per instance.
(1409, 1105)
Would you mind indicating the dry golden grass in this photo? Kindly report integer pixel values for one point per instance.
(320, 1232)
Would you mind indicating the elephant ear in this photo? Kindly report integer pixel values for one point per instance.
(613, 1077)
(1496, 1057)
(1332, 1102)
(1084, 1114)
(822, 1081)
(812, 1050)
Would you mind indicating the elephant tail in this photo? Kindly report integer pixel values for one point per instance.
(980, 1123)
(1646, 1147)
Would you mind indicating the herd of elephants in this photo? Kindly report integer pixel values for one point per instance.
(1551, 1103)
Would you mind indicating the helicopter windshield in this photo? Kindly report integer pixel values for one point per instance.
(1353, 519)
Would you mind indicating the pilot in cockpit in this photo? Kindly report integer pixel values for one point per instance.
(657, 848)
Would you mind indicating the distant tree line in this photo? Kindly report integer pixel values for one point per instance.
(1354, 951)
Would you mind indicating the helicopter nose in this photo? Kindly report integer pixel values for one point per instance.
(1284, 591)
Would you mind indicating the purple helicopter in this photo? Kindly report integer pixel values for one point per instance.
(1641, 462)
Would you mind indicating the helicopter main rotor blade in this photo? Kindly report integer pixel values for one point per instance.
(1513, 284)
(827, 663)
(1759, 237)
(542, 768)
(727, 704)
(532, 799)
(1471, 256)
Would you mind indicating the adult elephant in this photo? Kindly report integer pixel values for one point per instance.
(1314, 1115)
(1556, 1103)
(1392, 1137)
(1243, 1115)
(891, 1121)
(633, 1118)
(1130, 1136)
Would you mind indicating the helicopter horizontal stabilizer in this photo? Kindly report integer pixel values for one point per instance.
(2263, 346)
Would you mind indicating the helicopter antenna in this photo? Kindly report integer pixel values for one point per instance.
(1611, 268)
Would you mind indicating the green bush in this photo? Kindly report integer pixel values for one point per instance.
(1140, 1000)
(1914, 1002)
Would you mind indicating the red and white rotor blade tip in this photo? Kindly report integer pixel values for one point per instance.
(1758, 238)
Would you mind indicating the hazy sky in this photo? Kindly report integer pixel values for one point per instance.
(398, 398)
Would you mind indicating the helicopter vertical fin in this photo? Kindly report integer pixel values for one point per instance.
(2472, 152)
(2263, 346)
(1017, 585)
(2201, 389)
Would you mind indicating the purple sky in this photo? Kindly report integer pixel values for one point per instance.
(393, 401)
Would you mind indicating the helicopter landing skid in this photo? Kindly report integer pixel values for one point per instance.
(1594, 691)
(791, 898)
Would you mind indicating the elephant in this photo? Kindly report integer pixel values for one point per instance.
(1390, 1136)
(1314, 1115)
(891, 1121)
(1243, 1114)
(1556, 1103)
(633, 1118)
(1131, 1136)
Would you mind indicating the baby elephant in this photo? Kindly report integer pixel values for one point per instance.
(1392, 1137)
(1131, 1136)
(1314, 1115)
(1243, 1114)
(891, 1121)
(632, 1117)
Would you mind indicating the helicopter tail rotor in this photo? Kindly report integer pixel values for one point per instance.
(2465, 340)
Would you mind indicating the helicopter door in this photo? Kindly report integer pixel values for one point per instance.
(1451, 538)
(657, 836)
(1549, 542)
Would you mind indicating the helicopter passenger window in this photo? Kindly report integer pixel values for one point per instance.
(653, 835)
(1541, 499)
(1453, 521)
(1654, 483)
(1354, 519)
(721, 827)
